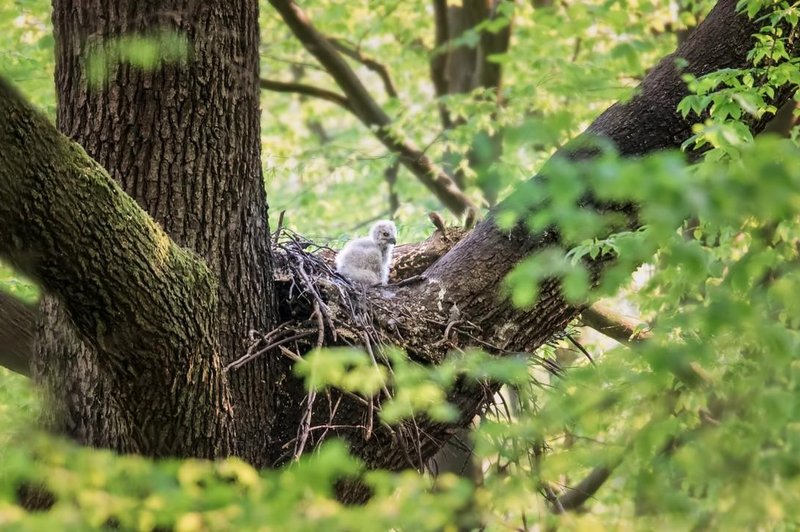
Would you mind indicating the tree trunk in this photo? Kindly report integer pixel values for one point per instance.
(184, 141)
(463, 69)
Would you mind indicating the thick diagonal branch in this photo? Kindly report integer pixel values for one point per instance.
(471, 274)
(146, 304)
(64, 220)
(466, 284)
(369, 112)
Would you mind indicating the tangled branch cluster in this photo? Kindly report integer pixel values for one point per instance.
(318, 307)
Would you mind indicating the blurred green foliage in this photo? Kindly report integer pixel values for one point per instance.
(700, 424)
(145, 52)
(26, 50)
(99, 490)
(567, 62)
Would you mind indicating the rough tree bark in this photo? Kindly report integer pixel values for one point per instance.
(147, 314)
(183, 141)
(119, 276)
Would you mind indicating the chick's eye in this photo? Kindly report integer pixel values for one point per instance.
(385, 233)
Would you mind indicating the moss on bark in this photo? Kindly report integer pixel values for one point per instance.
(147, 305)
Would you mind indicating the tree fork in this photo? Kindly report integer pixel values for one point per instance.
(183, 140)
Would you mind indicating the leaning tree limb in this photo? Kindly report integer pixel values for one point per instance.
(369, 112)
(146, 304)
(458, 302)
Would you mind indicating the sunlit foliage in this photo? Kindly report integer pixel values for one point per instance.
(698, 426)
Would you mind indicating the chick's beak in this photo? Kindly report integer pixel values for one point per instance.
(393, 240)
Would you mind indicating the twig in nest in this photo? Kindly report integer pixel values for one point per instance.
(250, 356)
(580, 348)
(438, 223)
(450, 326)
(290, 354)
(278, 230)
(303, 430)
(368, 346)
(471, 218)
(305, 425)
(410, 280)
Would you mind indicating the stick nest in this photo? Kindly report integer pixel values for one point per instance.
(317, 306)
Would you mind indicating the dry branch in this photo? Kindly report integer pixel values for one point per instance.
(305, 90)
(607, 321)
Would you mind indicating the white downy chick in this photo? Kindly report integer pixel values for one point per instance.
(367, 260)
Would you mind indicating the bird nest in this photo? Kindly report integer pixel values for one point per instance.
(316, 305)
(319, 307)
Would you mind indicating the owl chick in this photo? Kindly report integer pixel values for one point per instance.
(366, 260)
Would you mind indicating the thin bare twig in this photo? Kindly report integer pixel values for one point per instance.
(390, 174)
(582, 349)
(306, 90)
(280, 226)
(250, 356)
(379, 68)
